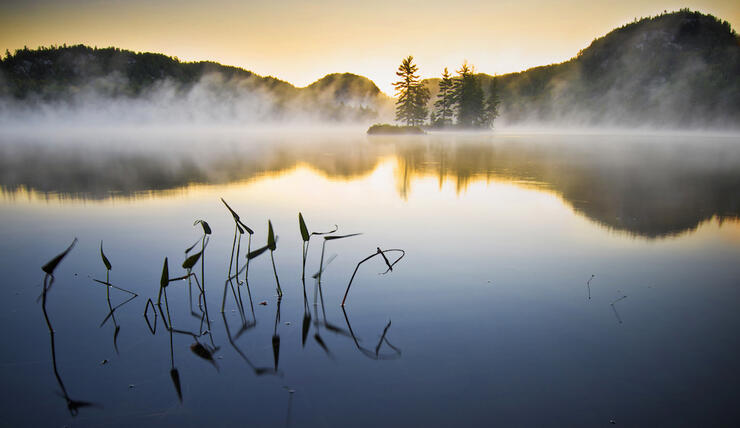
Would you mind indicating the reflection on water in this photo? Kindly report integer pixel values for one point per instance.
(647, 186)
(508, 307)
(203, 344)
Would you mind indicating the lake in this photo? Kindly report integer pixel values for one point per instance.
(548, 280)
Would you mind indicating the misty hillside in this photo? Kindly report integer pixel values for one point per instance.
(81, 76)
(680, 69)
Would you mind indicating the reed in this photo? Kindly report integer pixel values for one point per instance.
(378, 252)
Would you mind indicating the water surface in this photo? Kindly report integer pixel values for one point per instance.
(490, 317)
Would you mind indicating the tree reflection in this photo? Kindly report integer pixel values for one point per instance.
(645, 186)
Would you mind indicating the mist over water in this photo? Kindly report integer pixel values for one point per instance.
(211, 102)
(576, 265)
(649, 185)
(501, 233)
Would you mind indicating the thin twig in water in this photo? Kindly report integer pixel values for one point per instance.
(614, 308)
(588, 286)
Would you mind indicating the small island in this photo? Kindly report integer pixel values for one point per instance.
(386, 129)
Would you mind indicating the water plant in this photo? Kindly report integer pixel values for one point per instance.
(259, 371)
(206, 234)
(49, 268)
(378, 252)
(588, 286)
(188, 265)
(276, 336)
(614, 308)
(306, 237)
(111, 308)
(73, 405)
(200, 346)
(239, 229)
(272, 246)
(375, 353)
(323, 250)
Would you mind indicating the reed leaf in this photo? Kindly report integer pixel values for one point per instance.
(165, 275)
(206, 227)
(52, 264)
(276, 350)
(333, 237)
(106, 262)
(233, 213)
(192, 246)
(257, 252)
(175, 375)
(191, 261)
(271, 244)
(247, 228)
(304, 230)
(306, 326)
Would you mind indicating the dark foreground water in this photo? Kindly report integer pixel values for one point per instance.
(548, 281)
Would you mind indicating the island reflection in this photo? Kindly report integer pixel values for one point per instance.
(649, 186)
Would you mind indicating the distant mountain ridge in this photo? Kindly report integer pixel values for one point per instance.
(76, 74)
(678, 69)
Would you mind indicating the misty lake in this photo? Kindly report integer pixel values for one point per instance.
(548, 280)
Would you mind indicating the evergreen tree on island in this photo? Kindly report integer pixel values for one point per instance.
(445, 101)
(411, 106)
(469, 99)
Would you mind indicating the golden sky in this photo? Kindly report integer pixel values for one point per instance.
(301, 41)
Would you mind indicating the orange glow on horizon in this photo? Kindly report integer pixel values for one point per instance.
(302, 42)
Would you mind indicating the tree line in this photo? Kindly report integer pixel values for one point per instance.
(461, 101)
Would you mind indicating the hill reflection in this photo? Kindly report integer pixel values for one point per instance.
(648, 186)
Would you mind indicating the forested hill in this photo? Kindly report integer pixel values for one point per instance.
(679, 69)
(77, 75)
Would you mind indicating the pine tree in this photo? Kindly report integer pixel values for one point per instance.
(411, 106)
(469, 98)
(445, 100)
(492, 103)
(405, 90)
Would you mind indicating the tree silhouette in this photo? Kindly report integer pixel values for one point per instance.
(469, 98)
(412, 95)
(445, 101)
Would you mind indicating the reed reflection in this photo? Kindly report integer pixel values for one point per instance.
(73, 405)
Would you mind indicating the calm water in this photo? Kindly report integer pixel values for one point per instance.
(486, 321)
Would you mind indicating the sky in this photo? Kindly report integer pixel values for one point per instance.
(301, 41)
